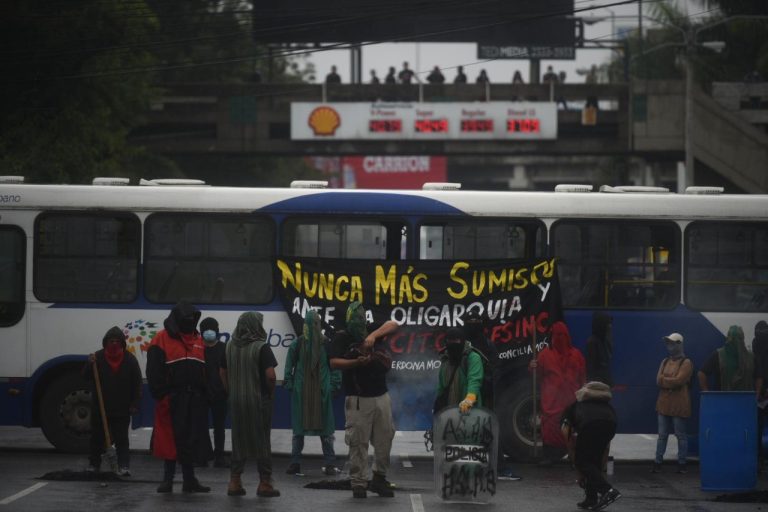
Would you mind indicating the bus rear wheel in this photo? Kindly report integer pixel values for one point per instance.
(65, 413)
(518, 425)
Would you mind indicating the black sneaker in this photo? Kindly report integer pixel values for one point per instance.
(587, 504)
(606, 499)
(165, 487)
(682, 469)
(359, 492)
(656, 468)
(380, 486)
(331, 470)
(194, 486)
(293, 469)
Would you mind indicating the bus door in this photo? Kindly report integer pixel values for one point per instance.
(13, 324)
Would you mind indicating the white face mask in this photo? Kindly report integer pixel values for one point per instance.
(209, 336)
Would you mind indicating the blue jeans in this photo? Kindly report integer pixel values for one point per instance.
(665, 424)
(297, 445)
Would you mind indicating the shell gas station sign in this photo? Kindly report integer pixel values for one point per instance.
(493, 120)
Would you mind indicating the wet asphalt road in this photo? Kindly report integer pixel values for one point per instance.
(541, 489)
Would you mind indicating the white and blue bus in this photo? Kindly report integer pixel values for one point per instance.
(76, 260)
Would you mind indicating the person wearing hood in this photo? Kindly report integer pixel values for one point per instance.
(364, 363)
(562, 371)
(178, 383)
(311, 383)
(674, 403)
(588, 426)
(217, 393)
(249, 373)
(120, 379)
(731, 367)
(600, 349)
(461, 372)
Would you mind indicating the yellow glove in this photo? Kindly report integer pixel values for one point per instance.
(467, 403)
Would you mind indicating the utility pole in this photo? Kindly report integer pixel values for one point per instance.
(690, 48)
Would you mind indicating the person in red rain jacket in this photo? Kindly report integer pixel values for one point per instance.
(177, 381)
(562, 371)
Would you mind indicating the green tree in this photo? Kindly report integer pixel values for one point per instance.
(70, 90)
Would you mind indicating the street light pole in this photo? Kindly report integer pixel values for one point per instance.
(688, 177)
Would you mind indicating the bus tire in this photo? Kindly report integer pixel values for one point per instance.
(517, 423)
(65, 413)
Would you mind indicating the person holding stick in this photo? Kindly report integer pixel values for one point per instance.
(116, 379)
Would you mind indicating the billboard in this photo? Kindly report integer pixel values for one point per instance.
(392, 172)
(424, 121)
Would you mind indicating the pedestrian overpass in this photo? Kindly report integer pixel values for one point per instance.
(644, 119)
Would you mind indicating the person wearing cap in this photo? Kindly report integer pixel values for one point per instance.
(673, 405)
(588, 425)
(120, 380)
(731, 367)
(217, 393)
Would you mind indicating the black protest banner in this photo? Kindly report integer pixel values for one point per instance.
(427, 297)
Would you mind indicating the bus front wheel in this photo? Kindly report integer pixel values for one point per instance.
(65, 413)
(517, 423)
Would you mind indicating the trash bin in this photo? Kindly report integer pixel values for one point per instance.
(728, 440)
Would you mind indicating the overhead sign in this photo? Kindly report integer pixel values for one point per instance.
(391, 172)
(485, 51)
(492, 120)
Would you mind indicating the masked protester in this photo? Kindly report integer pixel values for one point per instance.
(217, 394)
(461, 372)
(120, 379)
(730, 367)
(561, 370)
(760, 351)
(674, 403)
(368, 409)
(249, 372)
(600, 349)
(311, 382)
(474, 331)
(588, 426)
(177, 380)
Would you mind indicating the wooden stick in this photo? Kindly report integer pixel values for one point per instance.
(105, 425)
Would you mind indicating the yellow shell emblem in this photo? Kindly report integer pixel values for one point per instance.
(324, 121)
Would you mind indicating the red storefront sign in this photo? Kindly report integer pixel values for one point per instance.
(392, 172)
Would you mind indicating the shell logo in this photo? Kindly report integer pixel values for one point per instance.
(324, 121)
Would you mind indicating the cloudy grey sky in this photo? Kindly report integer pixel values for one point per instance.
(423, 57)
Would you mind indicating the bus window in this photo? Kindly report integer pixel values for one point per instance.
(617, 264)
(727, 266)
(481, 240)
(208, 258)
(12, 270)
(367, 240)
(86, 257)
